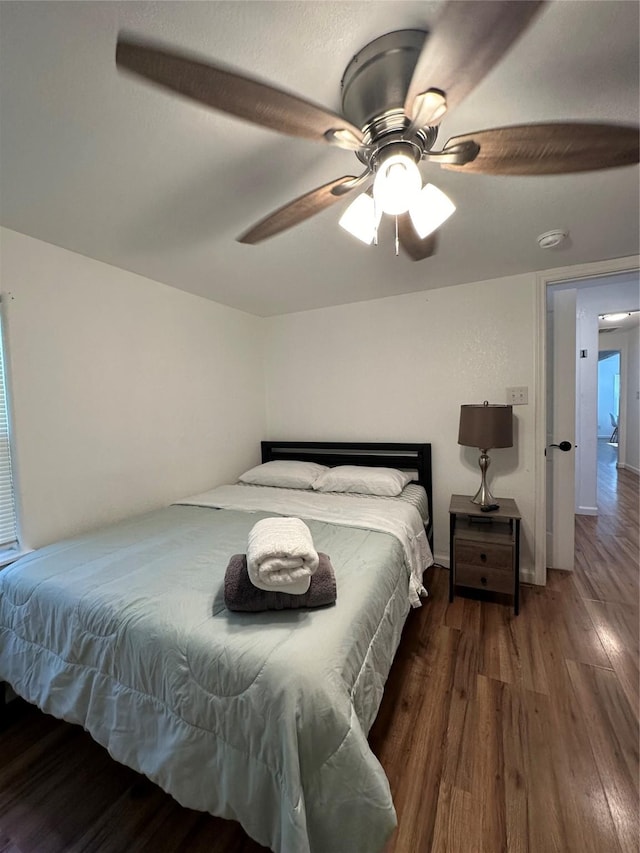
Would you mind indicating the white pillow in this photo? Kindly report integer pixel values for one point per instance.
(362, 480)
(284, 473)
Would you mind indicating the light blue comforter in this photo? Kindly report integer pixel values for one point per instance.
(262, 718)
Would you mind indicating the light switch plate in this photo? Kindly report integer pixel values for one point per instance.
(518, 396)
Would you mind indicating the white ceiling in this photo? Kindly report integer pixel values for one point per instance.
(108, 166)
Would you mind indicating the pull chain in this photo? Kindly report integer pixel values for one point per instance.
(397, 239)
(375, 220)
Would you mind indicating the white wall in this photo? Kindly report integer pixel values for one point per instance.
(398, 369)
(125, 393)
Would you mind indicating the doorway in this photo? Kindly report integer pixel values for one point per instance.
(608, 414)
(595, 292)
(608, 394)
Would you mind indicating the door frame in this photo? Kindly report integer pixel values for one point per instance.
(544, 279)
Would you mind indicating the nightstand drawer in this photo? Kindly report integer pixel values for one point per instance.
(484, 555)
(497, 580)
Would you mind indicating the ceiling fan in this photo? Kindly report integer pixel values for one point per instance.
(395, 92)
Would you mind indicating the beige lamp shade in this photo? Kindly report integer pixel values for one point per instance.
(486, 425)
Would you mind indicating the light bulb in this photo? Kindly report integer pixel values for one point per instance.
(396, 184)
(361, 218)
(429, 210)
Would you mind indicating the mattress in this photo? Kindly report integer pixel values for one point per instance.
(262, 717)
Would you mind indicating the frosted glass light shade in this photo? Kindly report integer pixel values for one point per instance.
(429, 210)
(361, 219)
(396, 185)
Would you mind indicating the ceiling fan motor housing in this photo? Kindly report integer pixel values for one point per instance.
(374, 86)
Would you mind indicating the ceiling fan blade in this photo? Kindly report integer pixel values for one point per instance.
(296, 211)
(414, 246)
(550, 149)
(468, 39)
(231, 92)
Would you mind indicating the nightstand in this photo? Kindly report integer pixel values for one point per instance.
(484, 547)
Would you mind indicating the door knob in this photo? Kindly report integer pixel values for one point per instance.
(564, 445)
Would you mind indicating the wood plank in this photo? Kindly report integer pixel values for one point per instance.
(599, 572)
(563, 621)
(457, 768)
(488, 763)
(510, 651)
(458, 822)
(567, 786)
(416, 790)
(617, 626)
(613, 733)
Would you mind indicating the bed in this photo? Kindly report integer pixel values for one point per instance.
(256, 717)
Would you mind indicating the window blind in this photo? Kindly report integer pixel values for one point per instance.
(8, 536)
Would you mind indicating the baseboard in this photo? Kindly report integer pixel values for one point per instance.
(587, 510)
(631, 468)
(529, 576)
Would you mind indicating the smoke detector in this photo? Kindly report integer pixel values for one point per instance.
(551, 239)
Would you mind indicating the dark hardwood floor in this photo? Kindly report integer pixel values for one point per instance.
(497, 733)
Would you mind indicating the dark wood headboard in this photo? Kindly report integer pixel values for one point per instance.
(406, 456)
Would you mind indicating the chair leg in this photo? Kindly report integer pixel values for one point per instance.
(614, 435)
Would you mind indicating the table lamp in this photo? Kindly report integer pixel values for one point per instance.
(485, 426)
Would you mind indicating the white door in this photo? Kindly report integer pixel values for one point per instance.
(561, 427)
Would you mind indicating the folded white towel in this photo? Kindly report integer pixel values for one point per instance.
(281, 556)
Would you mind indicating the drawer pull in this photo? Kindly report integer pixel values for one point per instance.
(483, 581)
(483, 557)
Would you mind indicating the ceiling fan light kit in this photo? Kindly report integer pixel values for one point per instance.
(429, 209)
(395, 92)
(374, 87)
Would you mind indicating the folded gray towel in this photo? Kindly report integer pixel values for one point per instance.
(241, 594)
